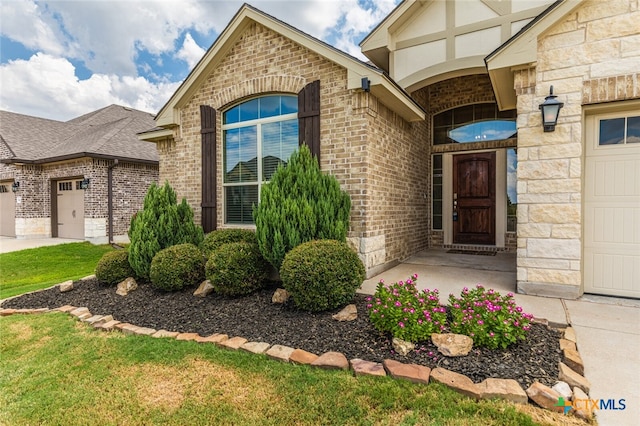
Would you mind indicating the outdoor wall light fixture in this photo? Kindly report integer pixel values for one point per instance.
(550, 111)
(15, 186)
(365, 84)
(84, 184)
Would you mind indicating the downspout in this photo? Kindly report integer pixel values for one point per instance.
(110, 198)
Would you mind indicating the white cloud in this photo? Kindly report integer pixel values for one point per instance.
(55, 92)
(190, 52)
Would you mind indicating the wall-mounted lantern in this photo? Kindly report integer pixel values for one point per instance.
(550, 111)
(15, 186)
(85, 183)
(365, 84)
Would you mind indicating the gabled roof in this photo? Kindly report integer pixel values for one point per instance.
(522, 50)
(110, 132)
(381, 84)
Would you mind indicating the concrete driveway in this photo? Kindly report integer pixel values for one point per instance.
(9, 244)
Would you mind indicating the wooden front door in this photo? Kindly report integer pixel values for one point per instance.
(474, 198)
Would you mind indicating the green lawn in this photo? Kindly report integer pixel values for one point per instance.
(58, 371)
(34, 269)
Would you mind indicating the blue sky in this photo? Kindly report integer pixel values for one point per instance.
(61, 59)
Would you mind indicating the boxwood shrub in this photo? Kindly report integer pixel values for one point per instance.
(113, 267)
(216, 239)
(237, 269)
(322, 274)
(176, 267)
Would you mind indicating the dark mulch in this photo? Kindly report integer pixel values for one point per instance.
(255, 318)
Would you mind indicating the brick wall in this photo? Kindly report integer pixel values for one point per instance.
(591, 56)
(130, 183)
(370, 150)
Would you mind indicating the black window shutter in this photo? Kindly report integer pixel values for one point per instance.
(208, 131)
(309, 117)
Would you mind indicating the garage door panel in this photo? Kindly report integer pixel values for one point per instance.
(603, 265)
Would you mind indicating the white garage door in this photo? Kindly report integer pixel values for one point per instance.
(612, 205)
(7, 210)
(70, 209)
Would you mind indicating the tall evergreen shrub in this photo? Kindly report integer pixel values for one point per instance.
(300, 204)
(161, 223)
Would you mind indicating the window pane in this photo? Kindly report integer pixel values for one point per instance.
(269, 106)
(463, 115)
(239, 203)
(289, 104)
(240, 155)
(249, 110)
(484, 131)
(485, 112)
(611, 131)
(231, 116)
(279, 140)
(633, 129)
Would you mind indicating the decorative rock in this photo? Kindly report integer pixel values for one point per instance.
(126, 286)
(572, 378)
(349, 313)
(452, 344)
(582, 406)
(204, 289)
(103, 320)
(255, 347)
(300, 356)
(127, 328)
(280, 296)
(564, 390)
(402, 347)
(122, 325)
(367, 368)
(573, 360)
(332, 361)
(109, 325)
(214, 338)
(95, 318)
(77, 312)
(413, 372)
(66, 286)
(544, 396)
(66, 308)
(144, 331)
(187, 336)
(280, 353)
(164, 333)
(88, 277)
(570, 334)
(234, 343)
(567, 344)
(507, 389)
(458, 382)
(7, 312)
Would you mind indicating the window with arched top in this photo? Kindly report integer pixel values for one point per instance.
(259, 135)
(473, 123)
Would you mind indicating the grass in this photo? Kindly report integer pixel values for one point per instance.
(34, 269)
(56, 370)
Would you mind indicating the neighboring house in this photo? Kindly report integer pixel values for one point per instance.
(81, 179)
(440, 144)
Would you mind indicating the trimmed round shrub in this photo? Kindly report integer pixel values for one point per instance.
(322, 275)
(216, 239)
(236, 269)
(176, 267)
(113, 267)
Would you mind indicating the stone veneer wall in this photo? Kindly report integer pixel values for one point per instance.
(356, 132)
(591, 56)
(130, 184)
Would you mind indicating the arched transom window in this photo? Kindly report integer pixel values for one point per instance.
(473, 123)
(259, 135)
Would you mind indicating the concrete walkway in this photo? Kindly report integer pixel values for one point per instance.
(9, 244)
(607, 328)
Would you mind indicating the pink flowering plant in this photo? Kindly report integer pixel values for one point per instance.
(405, 312)
(490, 319)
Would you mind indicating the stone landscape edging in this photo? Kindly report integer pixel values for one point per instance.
(490, 388)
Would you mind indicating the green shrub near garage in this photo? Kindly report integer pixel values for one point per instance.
(237, 269)
(322, 275)
(113, 267)
(177, 267)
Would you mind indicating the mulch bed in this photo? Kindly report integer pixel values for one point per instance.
(255, 318)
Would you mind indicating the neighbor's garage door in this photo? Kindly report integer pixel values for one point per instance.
(70, 209)
(612, 205)
(7, 210)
